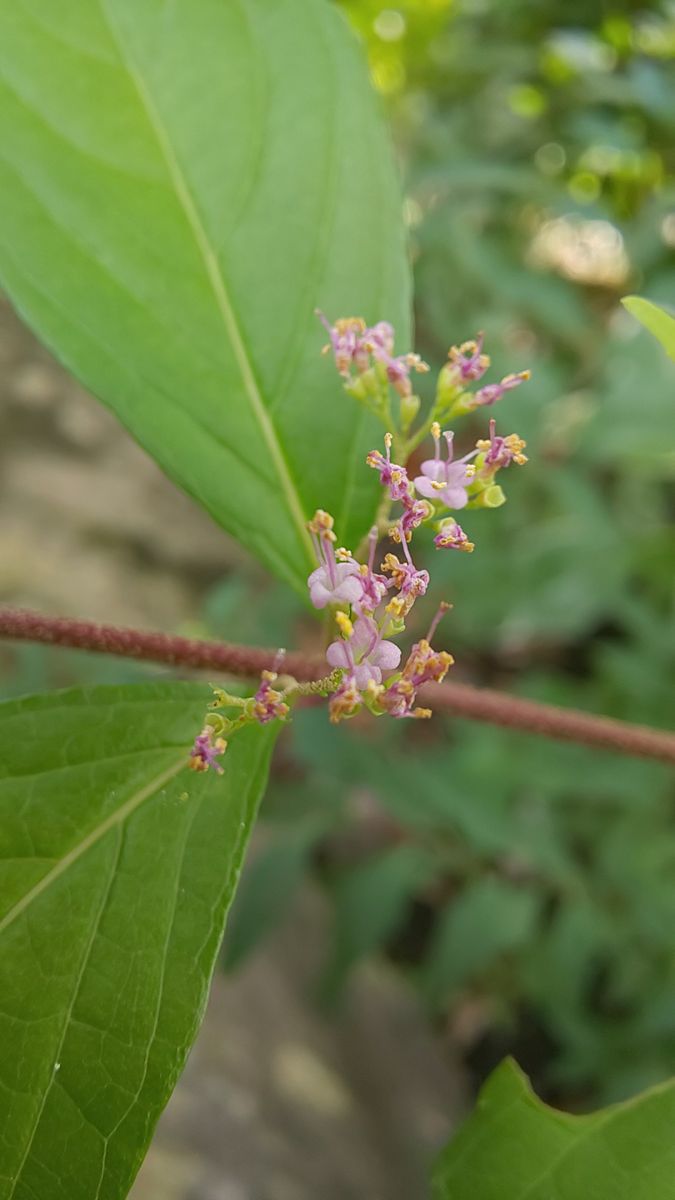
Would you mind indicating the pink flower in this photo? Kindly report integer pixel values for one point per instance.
(380, 338)
(494, 391)
(467, 361)
(268, 703)
(501, 451)
(445, 481)
(346, 342)
(365, 655)
(414, 512)
(335, 583)
(405, 576)
(346, 701)
(332, 582)
(424, 665)
(391, 475)
(451, 536)
(374, 586)
(206, 750)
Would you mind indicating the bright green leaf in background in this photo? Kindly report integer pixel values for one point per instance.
(117, 867)
(180, 186)
(655, 319)
(514, 1147)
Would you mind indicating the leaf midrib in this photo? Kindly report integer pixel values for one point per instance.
(217, 282)
(116, 818)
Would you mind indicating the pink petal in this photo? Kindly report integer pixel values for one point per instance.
(336, 655)
(319, 594)
(364, 673)
(426, 488)
(387, 656)
(350, 591)
(433, 468)
(365, 635)
(454, 496)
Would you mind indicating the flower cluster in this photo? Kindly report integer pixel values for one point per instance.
(369, 606)
(365, 356)
(370, 609)
(268, 704)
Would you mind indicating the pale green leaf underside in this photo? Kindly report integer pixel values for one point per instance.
(659, 323)
(181, 183)
(117, 866)
(513, 1147)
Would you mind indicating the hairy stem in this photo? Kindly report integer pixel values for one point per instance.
(476, 704)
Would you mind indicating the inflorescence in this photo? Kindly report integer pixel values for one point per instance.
(368, 606)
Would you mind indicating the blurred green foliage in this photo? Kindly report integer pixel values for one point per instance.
(527, 888)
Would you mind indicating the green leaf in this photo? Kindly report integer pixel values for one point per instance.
(488, 918)
(513, 1147)
(370, 904)
(655, 319)
(117, 867)
(181, 184)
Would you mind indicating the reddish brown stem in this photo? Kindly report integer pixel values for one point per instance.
(477, 704)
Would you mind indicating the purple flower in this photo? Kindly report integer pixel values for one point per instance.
(414, 512)
(335, 583)
(468, 362)
(500, 451)
(380, 338)
(268, 703)
(494, 391)
(374, 586)
(405, 576)
(346, 342)
(391, 475)
(365, 654)
(445, 481)
(332, 582)
(398, 370)
(424, 665)
(451, 536)
(346, 701)
(206, 750)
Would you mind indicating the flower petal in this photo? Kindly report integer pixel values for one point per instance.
(387, 656)
(425, 487)
(337, 655)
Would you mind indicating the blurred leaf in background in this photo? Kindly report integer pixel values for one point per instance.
(537, 147)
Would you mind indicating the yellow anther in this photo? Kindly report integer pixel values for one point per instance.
(397, 607)
(422, 713)
(321, 523)
(388, 440)
(344, 624)
(435, 431)
(342, 554)
(347, 324)
(516, 445)
(373, 690)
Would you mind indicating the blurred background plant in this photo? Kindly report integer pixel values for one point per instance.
(525, 888)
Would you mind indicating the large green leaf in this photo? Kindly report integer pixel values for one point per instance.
(513, 1147)
(659, 323)
(117, 865)
(180, 184)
